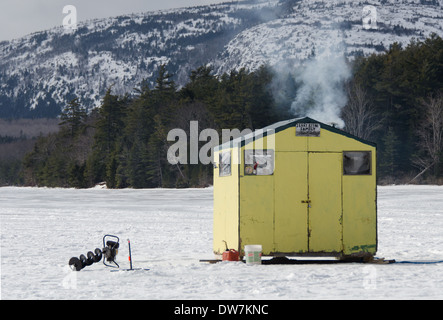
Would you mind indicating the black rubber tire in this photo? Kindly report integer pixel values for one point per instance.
(75, 264)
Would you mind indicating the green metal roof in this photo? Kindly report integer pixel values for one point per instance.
(280, 126)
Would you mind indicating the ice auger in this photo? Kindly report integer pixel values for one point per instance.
(109, 253)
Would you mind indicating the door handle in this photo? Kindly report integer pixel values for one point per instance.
(308, 202)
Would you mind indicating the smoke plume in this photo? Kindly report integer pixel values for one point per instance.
(321, 94)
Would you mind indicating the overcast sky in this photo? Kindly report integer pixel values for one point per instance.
(21, 17)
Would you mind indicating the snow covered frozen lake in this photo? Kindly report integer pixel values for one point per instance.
(171, 230)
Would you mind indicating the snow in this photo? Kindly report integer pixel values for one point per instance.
(315, 25)
(171, 230)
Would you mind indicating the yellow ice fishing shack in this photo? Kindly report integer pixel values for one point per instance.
(298, 188)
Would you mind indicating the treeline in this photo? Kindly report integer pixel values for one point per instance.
(124, 142)
(17, 138)
(399, 95)
(12, 151)
(394, 99)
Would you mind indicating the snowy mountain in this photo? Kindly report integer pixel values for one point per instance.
(39, 73)
(314, 26)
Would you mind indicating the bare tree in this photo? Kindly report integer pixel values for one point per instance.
(359, 114)
(430, 134)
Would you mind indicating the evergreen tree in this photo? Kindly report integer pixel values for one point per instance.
(73, 117)
(109, 127)
(138, 165)
(389, 162)
(76, 177)
(156, 155)
(164, 83)
(202, 86)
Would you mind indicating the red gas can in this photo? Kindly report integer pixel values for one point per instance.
(230, 255)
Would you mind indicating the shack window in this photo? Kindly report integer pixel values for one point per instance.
(259, 162)
(225, 164)
(357, 163)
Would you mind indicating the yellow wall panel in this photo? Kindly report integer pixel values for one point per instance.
(257, 211)
(333, 142)
(360, 212)
(291, 215)
(325, 212)
(226, 200)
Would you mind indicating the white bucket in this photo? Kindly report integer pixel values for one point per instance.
(253, 254)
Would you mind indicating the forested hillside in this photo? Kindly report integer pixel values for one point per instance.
(394, 98)
(124, 141)
(404, 91)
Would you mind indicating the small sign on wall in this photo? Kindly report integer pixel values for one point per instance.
(307, 130)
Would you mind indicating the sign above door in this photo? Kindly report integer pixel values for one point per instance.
(307, 130)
